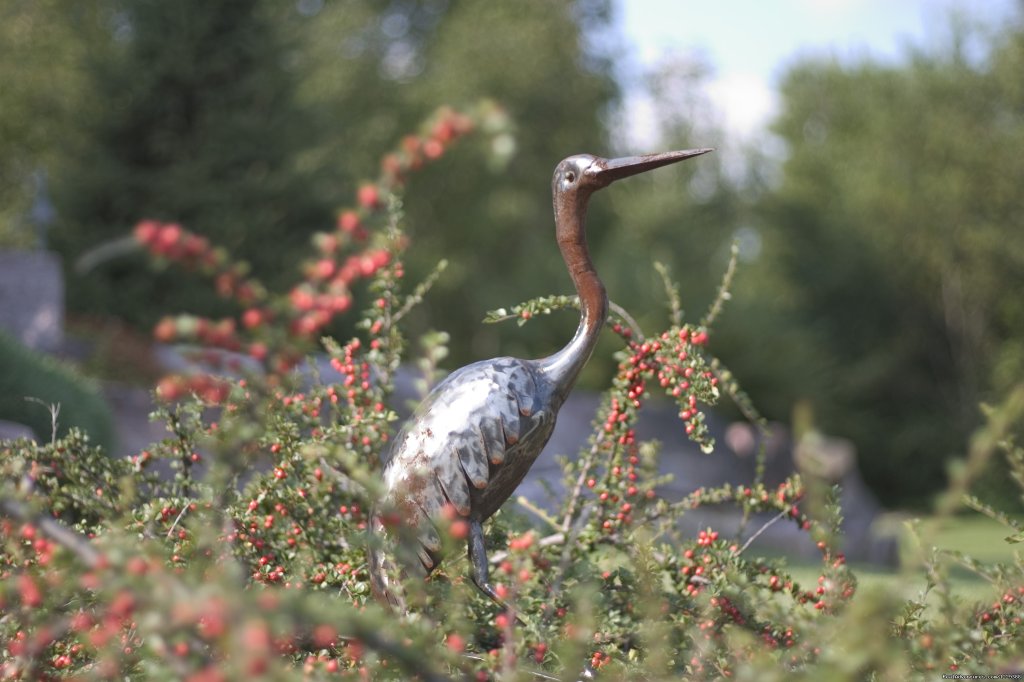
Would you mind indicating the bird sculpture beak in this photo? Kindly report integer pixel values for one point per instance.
(610, 170)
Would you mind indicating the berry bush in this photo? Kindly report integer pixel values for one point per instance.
(236, 547)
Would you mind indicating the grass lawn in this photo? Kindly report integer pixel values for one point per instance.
(974, 535)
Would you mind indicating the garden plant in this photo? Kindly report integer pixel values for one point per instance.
(236, 547)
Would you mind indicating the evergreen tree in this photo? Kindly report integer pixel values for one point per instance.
(194, 120)
(251, 122)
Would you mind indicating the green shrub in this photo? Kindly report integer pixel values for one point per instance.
(30, 383)
(246, 557)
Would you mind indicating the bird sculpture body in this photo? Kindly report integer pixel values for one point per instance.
(473, 439)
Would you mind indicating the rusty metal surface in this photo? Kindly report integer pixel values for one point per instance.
(472, 440)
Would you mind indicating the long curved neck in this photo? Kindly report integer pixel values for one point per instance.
(563, 368)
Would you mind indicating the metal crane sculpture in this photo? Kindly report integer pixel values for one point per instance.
(472, 440)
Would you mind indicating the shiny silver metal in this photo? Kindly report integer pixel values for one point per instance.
(472, 440)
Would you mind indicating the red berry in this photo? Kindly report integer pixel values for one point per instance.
(31, 596)
(170, 388)
(324, 268)
(324, 636)
(258, 351)
(146, 231)
(166, 330)
(459, 529)
(168, 236)
(432, 149)
(369, 196)
(392, 166)
(455, 643)
(348, 221)
(252, 318)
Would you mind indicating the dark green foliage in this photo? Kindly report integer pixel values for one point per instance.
(41, 60)
(897, 230)
(890, 248)
(495, 228)
(30, 383)
(194, 121)
(245, 121)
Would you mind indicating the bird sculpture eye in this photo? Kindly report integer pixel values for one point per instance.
(570, 177)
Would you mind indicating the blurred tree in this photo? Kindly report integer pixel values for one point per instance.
(685, 217)
(897, 223)
(42, 49)
(375, 70)
(251, 122)
(193, 118)
(499, 231)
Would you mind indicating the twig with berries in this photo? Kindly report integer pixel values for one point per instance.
(67, 538)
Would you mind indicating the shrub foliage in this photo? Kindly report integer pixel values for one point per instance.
(236, 546)
(30, 383)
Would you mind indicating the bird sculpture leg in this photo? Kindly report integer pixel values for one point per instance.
(478, 566)
(478, 562)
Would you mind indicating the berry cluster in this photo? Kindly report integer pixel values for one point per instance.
(674, 362)
(367, 432)
(172, 242)
(277, 330)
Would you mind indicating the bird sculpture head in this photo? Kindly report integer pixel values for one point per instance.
(582, 174)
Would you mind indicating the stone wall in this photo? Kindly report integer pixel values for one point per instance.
(32, 298)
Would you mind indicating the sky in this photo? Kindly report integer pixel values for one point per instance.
(749, 43)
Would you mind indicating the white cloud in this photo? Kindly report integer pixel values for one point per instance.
(744, 105)
(639, 128)
(745, 101)
(830, 6)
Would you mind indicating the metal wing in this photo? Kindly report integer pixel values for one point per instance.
(468, 424)
(502, 397)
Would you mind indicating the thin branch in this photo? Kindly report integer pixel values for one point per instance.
(638, 333)
(762, 529)
(535, 673)
(982, 508)
(56, 531)
(723, 290)
(54, 409)
(739, 397)
(108, 250)
(671, 293)
(508, 654)
(184, 508)
(546, 541)
(728, 384)
(969, 565)
(563, 561)
(550, 304)
(403, 655)
(525, 502)
(416, 297)
(577, 490)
